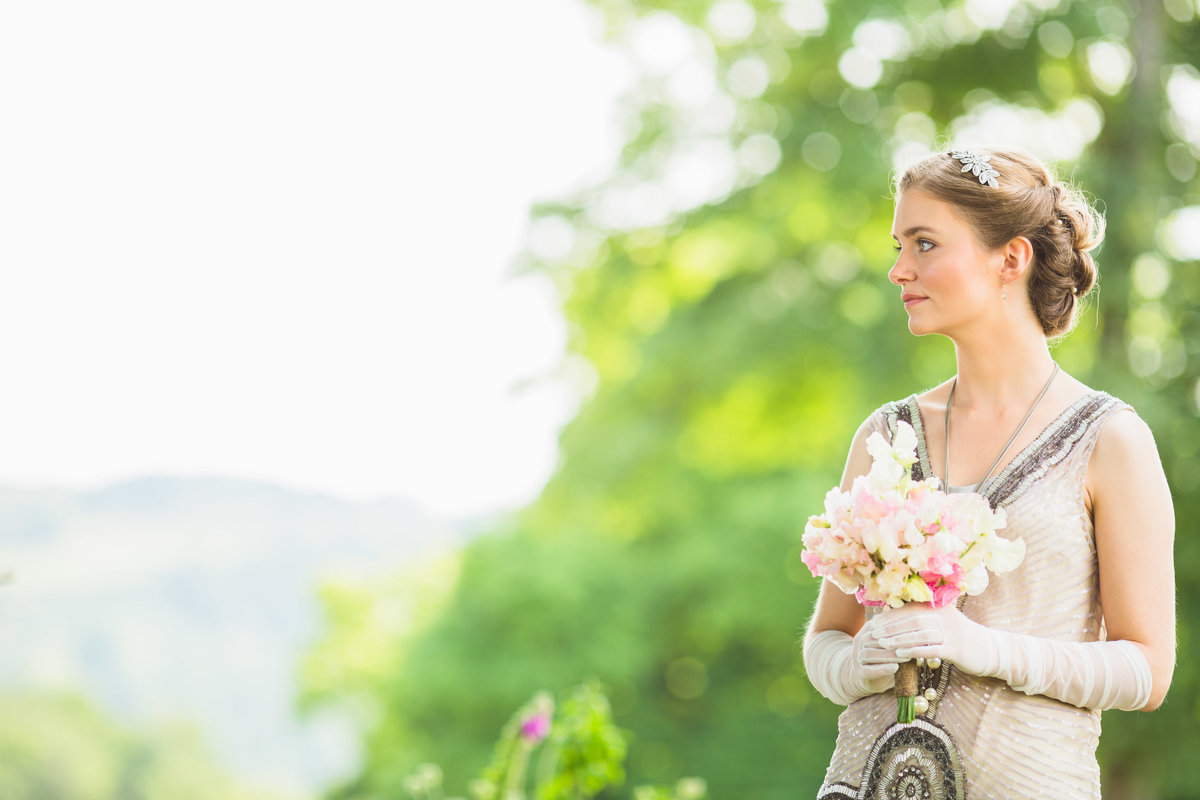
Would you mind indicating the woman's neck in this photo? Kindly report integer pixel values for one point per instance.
(1001, 372)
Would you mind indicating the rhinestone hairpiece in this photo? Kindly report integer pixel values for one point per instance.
(978, 166)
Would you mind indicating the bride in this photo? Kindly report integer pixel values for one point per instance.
(994, 253)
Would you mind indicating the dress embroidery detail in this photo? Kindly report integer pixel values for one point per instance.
(916, 760)
(1049, 449)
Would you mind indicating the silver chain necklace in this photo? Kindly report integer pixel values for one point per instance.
(950, 402)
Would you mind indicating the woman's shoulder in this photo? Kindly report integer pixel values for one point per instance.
(1124, 461)
(1113, 436)
(1099, 408)
(1122, 435)
(912, 407)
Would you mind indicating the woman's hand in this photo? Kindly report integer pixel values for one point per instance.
(1085, 674)
(845, 668)
(917, 630)
(874, 661)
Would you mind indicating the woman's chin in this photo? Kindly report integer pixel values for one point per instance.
(918, 328)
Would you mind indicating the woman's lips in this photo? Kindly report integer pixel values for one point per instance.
(911, 300)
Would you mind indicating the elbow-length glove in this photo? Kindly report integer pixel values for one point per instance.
(1099, 675)
(844, 668)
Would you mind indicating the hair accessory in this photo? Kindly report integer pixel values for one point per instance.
(978, 166)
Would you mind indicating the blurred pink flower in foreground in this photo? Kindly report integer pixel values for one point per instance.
(536, 727)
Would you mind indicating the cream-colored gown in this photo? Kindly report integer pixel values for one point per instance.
(1010, 745)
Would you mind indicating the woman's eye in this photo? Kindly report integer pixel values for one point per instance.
(896, 247)
(924, 245)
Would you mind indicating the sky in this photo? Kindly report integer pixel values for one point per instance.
(272, 240)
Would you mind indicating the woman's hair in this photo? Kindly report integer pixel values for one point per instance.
(1028, 201)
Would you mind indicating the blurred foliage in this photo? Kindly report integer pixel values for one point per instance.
(580, 753)
(58, 747)
(588, 751)
(730, 318)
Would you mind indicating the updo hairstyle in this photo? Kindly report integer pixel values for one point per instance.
(1059, 222)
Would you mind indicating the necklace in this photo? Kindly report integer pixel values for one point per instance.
(950, 402)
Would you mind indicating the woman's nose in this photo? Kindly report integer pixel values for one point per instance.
(900, 272)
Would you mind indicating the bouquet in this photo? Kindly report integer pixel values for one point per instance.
(891, 540)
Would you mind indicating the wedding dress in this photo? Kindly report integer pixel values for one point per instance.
(1009, 744)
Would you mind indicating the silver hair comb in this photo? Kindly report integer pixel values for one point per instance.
(978, 166)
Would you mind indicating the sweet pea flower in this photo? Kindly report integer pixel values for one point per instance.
(891, 582)
(865, 595)
(902, 450)
(837, 504)
(944, 594)
(536, 727)
(916, 591)
(944, 552)
(975, 580)
(1004, 554)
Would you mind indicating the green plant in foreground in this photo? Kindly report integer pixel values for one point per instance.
(580, 753)
(685, 789)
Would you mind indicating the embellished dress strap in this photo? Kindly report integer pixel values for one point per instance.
(1077, 427)
(906, 410)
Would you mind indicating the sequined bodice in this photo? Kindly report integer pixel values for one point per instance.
(1013, 745)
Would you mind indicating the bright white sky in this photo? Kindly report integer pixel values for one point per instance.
(268, 239)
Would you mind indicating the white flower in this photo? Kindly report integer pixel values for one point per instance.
(885, 477)
(1004, 555)
(890, 582)
(844, 581)
(902, 449)
(975, 580)
(837, 504)
(904, 444)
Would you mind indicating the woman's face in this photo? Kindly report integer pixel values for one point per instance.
(947, 278)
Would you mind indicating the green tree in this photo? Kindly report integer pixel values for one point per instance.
(726, 292)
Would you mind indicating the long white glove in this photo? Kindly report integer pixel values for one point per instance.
(845, 668)
(1098, 675)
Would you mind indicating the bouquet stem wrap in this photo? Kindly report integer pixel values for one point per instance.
(907, 684)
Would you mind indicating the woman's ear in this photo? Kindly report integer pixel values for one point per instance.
(1018, 257)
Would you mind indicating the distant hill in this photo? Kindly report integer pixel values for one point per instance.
(195, 598)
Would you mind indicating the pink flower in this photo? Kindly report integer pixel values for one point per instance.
(943, 595)
(944, 564)
(861, 596)
(536, 727)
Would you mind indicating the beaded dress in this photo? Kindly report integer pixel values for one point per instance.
(1010, 745)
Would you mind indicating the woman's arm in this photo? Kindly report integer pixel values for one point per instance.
(841, 653)
(1135, 533)
(836, 610)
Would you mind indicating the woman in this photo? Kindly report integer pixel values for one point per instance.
(993, 253)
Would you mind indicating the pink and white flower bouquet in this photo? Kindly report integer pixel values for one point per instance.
(891, 540)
